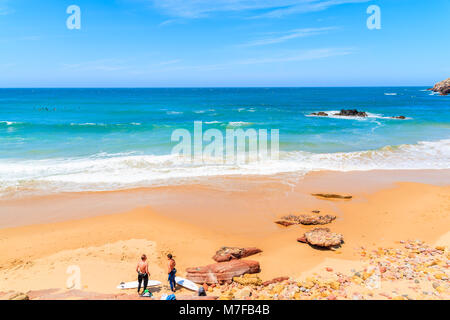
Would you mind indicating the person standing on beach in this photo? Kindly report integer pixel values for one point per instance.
(142, 270)
(171, 271)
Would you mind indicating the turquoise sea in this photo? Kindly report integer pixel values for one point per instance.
(56, 140)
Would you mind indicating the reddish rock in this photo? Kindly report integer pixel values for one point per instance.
(331, 196)
(285, 223)
(275, 280)
(222, 272)
(323, 237)
(229, 253)
(308, 219)
(302, 239)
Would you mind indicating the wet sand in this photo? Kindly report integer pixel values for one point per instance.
(105, 233)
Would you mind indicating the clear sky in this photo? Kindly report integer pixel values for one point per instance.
(165, 43)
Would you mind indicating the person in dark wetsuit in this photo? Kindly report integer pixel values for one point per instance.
(142, 270)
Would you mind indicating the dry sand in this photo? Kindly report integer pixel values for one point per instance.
(49, 234)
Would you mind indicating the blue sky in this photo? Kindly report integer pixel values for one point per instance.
(165, 43)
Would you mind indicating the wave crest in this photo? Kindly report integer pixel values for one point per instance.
(121, 171)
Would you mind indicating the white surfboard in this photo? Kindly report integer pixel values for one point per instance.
(135, 284)
(188, 284)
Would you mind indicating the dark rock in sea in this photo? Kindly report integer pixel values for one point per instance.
(320, 113)
(351, 113)
(442, 87)
(331, 196)
(230, 253)
(222, 272)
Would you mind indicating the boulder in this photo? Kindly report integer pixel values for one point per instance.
(351, 113)
(222, 272)
(323, 237)
(229, 253)
(248, 280)
(442, 87)
(399, 117)
(331, 196)
(309, 219)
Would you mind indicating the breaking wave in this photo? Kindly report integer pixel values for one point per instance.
(105, 172)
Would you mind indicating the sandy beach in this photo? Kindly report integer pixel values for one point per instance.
(104, 233)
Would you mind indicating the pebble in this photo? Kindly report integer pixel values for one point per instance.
(414, 261)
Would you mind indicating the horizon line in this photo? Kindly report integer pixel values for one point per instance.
(221, 87)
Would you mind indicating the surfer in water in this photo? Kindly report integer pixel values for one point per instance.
(142, 270)
(171, 271)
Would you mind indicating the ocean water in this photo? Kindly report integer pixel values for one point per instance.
(61, 140)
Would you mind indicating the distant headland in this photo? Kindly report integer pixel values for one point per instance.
(442, 87)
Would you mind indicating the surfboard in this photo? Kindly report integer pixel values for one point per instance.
(188, 284)
(135, 284)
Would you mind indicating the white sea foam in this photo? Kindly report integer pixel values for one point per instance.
(333, 114)
(88, 124)
(239, 123)
(9, 123)
(104, 124)
(122, 171)
(174, 112)
(204, 111)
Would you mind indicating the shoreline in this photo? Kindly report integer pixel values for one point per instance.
(60, 207)
(107, 240)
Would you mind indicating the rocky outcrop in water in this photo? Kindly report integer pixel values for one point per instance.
(399, 117)
(442, 87)
(320, 114)
(351, 113)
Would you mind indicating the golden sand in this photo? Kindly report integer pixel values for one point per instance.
(192, 222)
